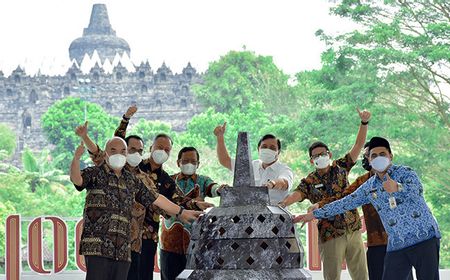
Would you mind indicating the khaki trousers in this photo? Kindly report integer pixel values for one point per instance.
(349, 247)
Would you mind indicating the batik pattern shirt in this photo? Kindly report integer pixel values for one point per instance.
(108, 211)
(166, 186)
(408, 223)
(376, 235)
(316, 187)
(176, 235)
(161, 182)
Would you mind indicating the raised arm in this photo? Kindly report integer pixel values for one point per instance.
(75, 173)
(222, 153)
(362, 134)
(82, 132)
(121, 131)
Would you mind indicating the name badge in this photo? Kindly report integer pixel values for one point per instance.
(374, 193)
(392, 202)
(318, 186)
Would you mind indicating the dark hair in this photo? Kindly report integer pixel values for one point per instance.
(367, 144)
(188, 149)
(270, 136)
(317, 144)
(127, 139)
(163, 135)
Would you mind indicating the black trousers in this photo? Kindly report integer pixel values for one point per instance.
(101, 268)
(147, 260)
(133, 273)
(424, 257)
(171, 264)
(375, 262)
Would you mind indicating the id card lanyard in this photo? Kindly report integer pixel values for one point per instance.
(392, 202)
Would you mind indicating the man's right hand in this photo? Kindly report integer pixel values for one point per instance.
(189, 216)
(313, 207)
(79, 151)
(131, 110)
(82, 130)
(219, 131)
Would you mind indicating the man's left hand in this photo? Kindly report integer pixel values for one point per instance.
(390, 185)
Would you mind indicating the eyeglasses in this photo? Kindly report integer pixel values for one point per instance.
(319, 155)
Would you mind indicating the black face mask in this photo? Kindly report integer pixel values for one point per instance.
(365, 164)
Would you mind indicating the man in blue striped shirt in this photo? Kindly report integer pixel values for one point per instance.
(397, 195)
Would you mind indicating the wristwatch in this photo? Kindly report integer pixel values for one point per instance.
(179, 212)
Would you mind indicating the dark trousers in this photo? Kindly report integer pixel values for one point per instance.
(133, 273)
(101, 268)
(424, 257)
(375, 262)
(171, 264)
(147, 261)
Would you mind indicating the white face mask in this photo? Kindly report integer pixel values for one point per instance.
(160, 156)
(134, 159)
(117, 161)
(267, 155)
(380, 163)
(188, 169)
(322, 162)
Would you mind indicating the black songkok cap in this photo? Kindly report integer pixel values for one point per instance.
(379, 142)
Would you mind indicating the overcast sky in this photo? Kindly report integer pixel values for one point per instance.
(37, 33)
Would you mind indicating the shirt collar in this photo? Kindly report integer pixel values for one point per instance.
(390, 171)
(272, 166)
(111, 171)
(181, 176)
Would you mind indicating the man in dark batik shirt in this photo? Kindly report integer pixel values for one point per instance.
(135, 147)
(111, 191)
(339, 237)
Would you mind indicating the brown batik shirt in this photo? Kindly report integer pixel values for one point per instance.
(162, 183)
(108, 211)
(316, 187)
(376, 235)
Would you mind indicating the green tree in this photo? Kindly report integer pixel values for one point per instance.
(41, 170)
(61, 118)
(418, 137)
(147, 130)
(241, 77)
(409, 43)
(7, 141)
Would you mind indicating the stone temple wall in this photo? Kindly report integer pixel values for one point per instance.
(160, 95)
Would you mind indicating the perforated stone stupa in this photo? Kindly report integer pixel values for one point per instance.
(245, 237)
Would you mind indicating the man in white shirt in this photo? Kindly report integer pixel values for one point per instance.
(268, 171)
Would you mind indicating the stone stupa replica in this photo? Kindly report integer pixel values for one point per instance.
(245, 237)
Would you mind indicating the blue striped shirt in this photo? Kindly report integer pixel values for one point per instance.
(410, 223)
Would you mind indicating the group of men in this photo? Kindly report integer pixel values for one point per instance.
(126, 195)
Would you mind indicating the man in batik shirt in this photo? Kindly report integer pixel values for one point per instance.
(175, 234)
(111, 191)
(339, 236)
